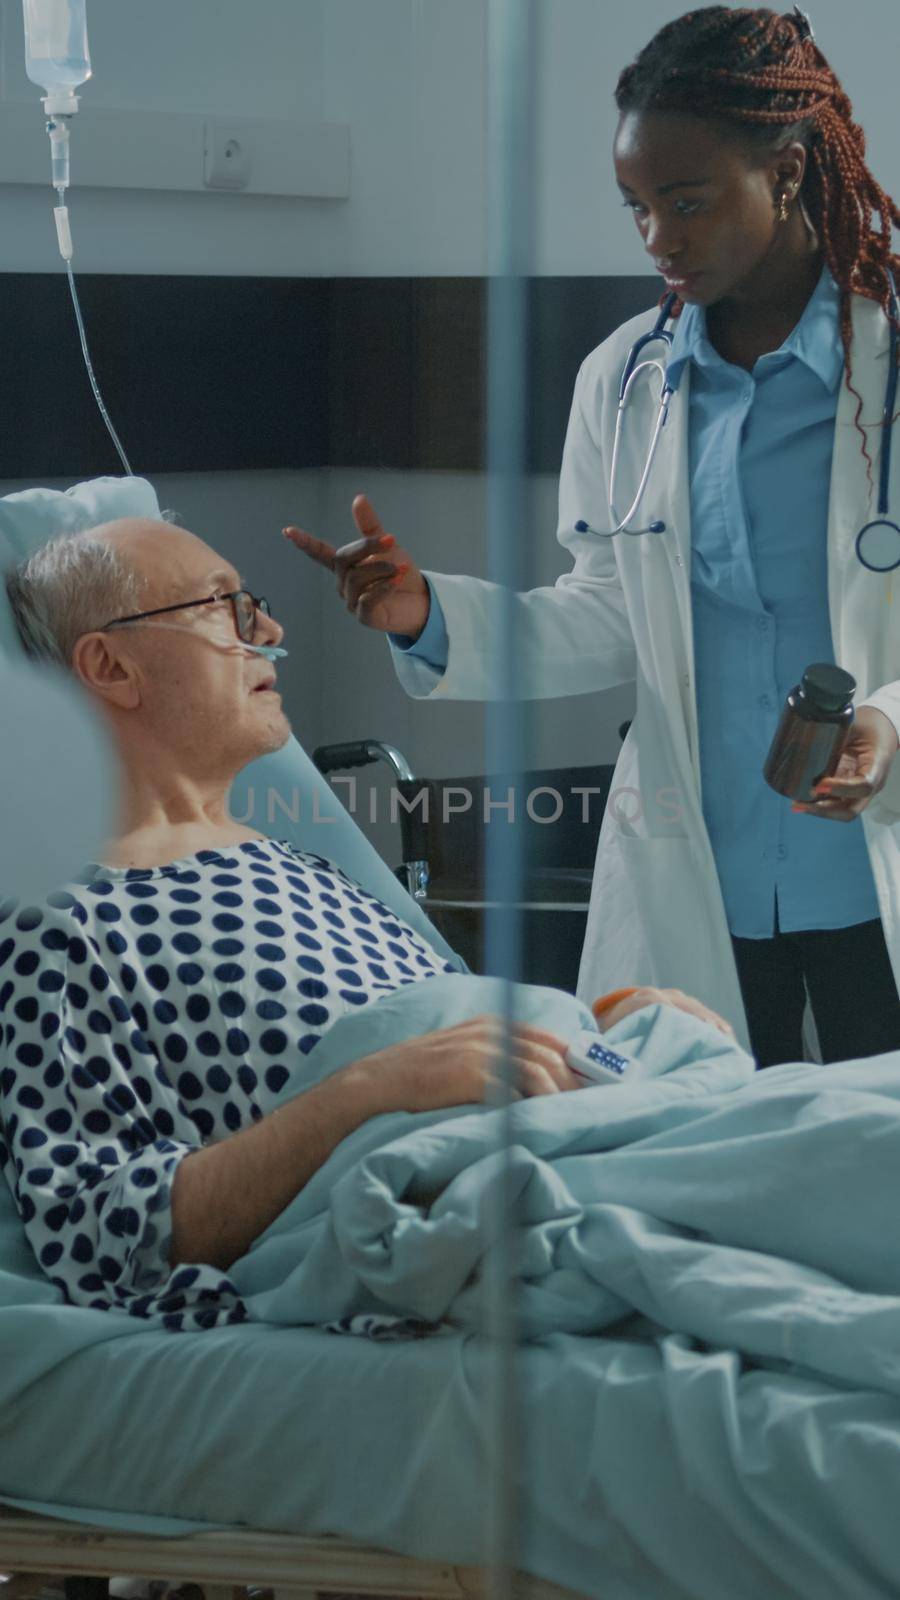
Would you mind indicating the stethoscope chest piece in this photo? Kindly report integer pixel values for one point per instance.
(878, 545)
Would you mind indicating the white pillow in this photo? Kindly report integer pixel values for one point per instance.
(30, 518)
(48, 731)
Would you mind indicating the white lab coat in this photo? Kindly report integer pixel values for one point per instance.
(623, 614)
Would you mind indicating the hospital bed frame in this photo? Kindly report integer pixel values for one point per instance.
(224, 1563)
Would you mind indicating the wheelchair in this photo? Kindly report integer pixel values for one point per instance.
(445, 824)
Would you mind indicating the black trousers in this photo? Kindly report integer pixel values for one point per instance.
(852, 993)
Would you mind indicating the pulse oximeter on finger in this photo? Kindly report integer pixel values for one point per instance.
(591, 1058)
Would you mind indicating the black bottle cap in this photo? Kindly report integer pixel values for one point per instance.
(829, 688)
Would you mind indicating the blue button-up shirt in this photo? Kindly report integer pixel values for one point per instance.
(760, 465)
(760, 448)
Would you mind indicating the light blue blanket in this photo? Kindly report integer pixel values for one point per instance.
(718, 1415)
(751, 1210)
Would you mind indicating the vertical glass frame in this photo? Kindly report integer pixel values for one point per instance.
(511, 94)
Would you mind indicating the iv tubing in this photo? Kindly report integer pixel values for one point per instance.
(90, 370)
(58, 129)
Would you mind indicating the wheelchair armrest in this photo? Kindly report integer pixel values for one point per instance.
(359, 753)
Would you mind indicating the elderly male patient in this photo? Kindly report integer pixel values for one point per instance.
(157, 1006)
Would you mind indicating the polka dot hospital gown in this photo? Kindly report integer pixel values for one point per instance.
(144, 1013)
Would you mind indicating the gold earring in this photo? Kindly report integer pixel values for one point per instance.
(784, 211)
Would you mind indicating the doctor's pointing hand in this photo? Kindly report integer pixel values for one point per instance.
(722, 555)
(377, 581)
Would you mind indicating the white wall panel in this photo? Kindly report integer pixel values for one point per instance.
(410, 79)
(223, 57)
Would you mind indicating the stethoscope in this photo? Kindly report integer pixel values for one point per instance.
(633, 366)
(877, 544)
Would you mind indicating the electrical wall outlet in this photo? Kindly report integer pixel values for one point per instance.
(227, 155)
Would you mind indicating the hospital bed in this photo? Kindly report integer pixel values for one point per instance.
(669, 1458)
(86, 1546)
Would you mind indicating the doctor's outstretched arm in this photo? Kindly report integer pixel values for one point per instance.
(574, 636)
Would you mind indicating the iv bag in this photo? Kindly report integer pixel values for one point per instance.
(56, 44)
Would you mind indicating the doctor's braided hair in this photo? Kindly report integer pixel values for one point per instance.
(764, 72)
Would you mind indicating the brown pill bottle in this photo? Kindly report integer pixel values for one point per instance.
(814, 728)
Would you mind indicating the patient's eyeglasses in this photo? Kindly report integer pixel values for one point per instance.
(244, 606)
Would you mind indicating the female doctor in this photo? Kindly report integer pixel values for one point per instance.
(737, 154)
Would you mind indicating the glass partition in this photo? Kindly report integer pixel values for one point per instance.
(510, 121)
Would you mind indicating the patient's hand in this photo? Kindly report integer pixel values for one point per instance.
(648, 996)
(378, 581)
(461, 1066)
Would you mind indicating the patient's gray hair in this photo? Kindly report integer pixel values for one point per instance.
(70, 586)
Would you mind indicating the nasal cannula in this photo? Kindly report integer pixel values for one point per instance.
(271, 652)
